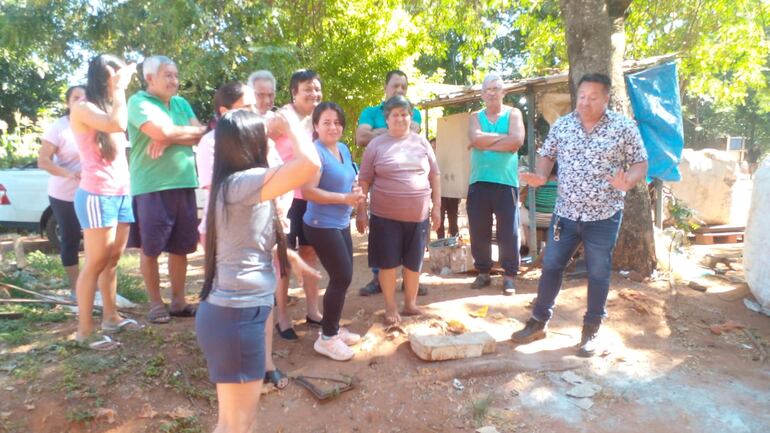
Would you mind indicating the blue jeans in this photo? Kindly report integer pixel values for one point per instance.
(598, 239)
(486, 199)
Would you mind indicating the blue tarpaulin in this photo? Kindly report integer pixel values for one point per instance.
(654, 95)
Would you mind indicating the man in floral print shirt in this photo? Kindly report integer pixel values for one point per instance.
(601, 156)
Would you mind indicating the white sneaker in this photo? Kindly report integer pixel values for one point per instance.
(334, 348)
(350, 338)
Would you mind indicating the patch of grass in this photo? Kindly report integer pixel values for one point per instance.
(18, 278)
(28, 367)
(22, 331)
(80, 415)
(15, 426)
(154, 367)
(181, 384)
(148, 336)
(131, 285)
(45, 265)
(182, 425)
(481, 408)
(75, 372)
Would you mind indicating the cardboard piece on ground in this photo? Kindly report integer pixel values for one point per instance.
(444, 347)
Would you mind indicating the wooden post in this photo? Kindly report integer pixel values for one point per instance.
(531, 158)
(658, 202)
(427, 134)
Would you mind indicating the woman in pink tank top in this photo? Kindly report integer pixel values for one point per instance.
(102, 202)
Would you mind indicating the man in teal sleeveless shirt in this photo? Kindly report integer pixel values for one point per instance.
(496, 134)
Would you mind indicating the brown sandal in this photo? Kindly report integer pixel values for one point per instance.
(158, 314)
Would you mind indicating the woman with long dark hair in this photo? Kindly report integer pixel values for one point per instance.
(102, 201)
(234, 96)
(58, 155)
(243, 227)
(331, 197)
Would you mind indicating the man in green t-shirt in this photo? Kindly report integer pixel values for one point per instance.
(371, 123)
(162, 129)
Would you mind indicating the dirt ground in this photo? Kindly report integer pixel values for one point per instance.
(662, 369)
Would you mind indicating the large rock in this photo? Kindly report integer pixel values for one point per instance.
(714, 185)
(444, 347)
(756, 243)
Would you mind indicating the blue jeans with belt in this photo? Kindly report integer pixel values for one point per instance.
(598, 238)
(486, 199)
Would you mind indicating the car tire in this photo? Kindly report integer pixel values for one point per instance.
(52, 232)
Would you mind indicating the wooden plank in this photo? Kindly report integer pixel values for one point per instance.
(453, 155)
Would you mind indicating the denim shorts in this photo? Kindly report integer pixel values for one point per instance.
(232, 341)
(98, 211)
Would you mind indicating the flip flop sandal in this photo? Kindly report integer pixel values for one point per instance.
(158, 315)
(100, 343)
(277, 378)
(130, 325)
(189, 310)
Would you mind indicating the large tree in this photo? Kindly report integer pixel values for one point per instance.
(596, 43)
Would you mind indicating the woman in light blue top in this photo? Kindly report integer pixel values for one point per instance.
(326, 224)
(242, 230)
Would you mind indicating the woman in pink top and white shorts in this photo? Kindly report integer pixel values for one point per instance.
(102, 202)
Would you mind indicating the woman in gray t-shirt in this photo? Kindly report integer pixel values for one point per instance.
(242, 230)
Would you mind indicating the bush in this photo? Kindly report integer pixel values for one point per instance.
(19, 148)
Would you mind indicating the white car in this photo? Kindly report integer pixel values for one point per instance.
(24, 202)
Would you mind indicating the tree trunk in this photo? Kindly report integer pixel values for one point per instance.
(588, 39)
(596, 43)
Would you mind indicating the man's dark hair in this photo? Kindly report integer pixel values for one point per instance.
(397, 101)
(597, 78)
(398, 72)
(300, 77)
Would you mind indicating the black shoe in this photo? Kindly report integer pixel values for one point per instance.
(587, 346)
(371, 288)
(421, 290)
(287, 334)
(534, 330)
(482, 280)
(509, 289)
(311, 322)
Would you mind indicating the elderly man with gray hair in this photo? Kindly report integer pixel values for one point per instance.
(496, 133)
(263, 83)
(162, 129)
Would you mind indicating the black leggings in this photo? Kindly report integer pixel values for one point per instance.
(334, 248)
(449, 207)
(69, 227)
